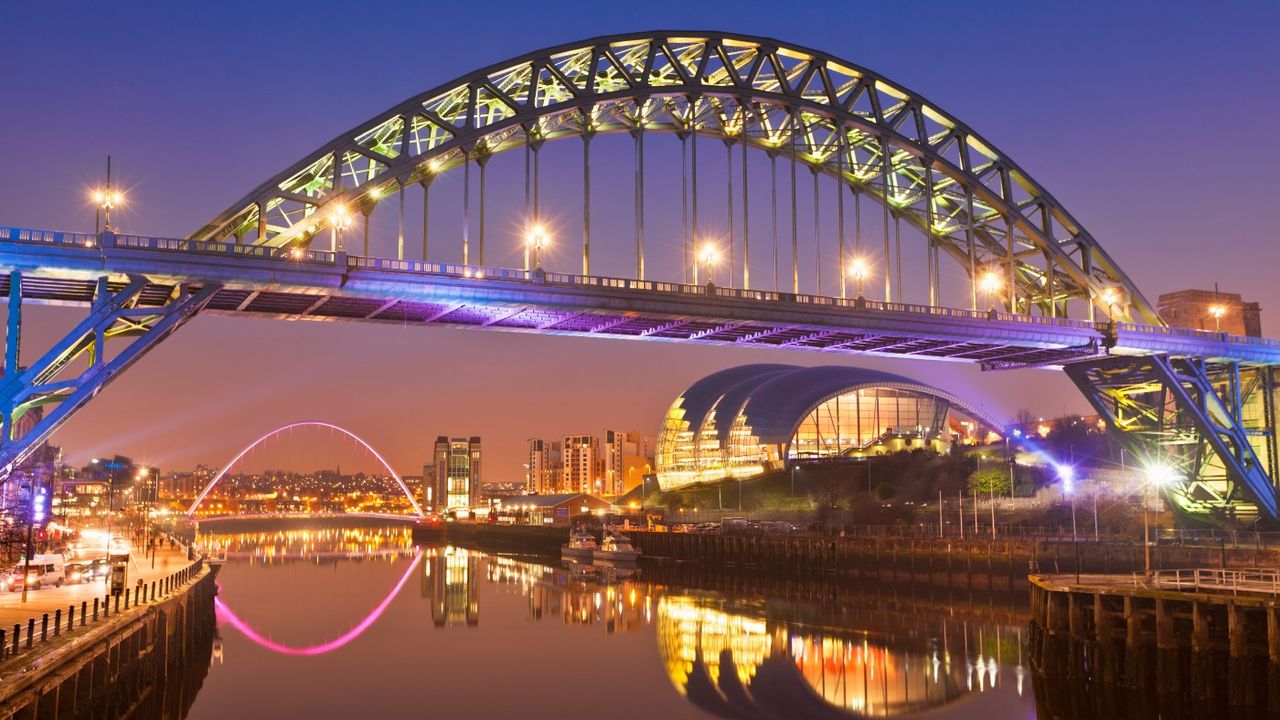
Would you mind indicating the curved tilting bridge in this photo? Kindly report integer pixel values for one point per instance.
(1006, 277)
(288, 428)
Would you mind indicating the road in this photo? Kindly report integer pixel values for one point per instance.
(51, 599)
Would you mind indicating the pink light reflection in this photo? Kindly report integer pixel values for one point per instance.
(224, 612)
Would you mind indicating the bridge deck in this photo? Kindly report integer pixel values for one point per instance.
(62, 268)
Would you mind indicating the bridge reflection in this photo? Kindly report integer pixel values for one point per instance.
(750, 659)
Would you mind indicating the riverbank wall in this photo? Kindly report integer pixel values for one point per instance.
(523, 539)
(947, 561)
(121, 656)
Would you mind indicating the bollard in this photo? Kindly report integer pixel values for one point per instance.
(4, 647)
(17, 631)
(126, 598)
(118, 604)
(84, 610)
(44, 627)
(153, 591)
(71, 617)
(57, 622)
(31, 631)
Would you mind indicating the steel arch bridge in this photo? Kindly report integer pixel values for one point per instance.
(191, 511)
(1203, 403)
(921, 165)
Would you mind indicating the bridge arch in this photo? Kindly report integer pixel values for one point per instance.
(305, 423)
(883, 141)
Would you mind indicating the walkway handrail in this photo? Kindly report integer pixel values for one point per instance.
(1253, 581)
(13, 643)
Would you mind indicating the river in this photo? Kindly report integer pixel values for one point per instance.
(360, 622)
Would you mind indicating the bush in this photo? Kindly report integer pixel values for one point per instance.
(989, 481)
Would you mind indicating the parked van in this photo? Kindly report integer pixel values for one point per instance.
(48, 569)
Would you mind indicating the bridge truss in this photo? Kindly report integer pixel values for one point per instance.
(1203, 402)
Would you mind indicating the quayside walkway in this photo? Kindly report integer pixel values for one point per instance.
(1166, 630)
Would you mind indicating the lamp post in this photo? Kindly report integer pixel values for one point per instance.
(708, 256)
(105, 199)
(1067, 475)
(1159, 475)
(1217, 311)
(1111, 297)
(859, 271)
(990, 283)
(537, 240)
(341, 220)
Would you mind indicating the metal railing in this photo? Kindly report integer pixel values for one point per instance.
(1218, 580)
(295, 254)
(50, 627)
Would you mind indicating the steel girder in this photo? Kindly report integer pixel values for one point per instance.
(1213, 423)
(882, 140)
(69, 374)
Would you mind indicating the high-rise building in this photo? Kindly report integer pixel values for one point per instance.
(457, 473)
(628, 456)
(1211, 310)
(544, 470)
(429, 484)
(582, 465)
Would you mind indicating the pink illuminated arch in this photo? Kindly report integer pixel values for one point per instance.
(225, 613)
(305, 423)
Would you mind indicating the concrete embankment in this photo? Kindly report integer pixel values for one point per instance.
(115, 656)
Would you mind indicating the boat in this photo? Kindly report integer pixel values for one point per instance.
(581, 545)
(616, 546)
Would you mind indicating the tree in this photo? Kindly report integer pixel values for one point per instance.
(989, 481)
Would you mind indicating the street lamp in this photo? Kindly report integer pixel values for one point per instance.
(1161, 476)
(990, 284)
(1217, 311)
(859, 271)
(1111, 297)
(105, 200)
(536, 239)
(1067, 475)
(708, 256)
(340, 220)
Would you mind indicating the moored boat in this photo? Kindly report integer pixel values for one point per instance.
(616, 547)
(581, 545)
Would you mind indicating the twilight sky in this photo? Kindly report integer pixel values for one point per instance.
(1151, 122)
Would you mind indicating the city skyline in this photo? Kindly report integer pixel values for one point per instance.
(374, 378)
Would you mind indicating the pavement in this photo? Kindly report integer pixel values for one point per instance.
(49, 599)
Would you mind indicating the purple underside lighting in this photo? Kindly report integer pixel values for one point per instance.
(224, 612)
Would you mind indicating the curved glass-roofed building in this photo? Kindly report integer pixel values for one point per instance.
(746, 420)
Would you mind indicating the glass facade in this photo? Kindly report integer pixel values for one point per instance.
(457, 473)
(742, 427)
(856, 421)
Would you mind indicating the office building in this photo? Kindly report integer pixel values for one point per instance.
(456, 483)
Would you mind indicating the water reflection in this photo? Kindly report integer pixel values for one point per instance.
(738, 665)
(748, 657)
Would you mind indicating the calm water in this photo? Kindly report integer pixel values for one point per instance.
(356, 623)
